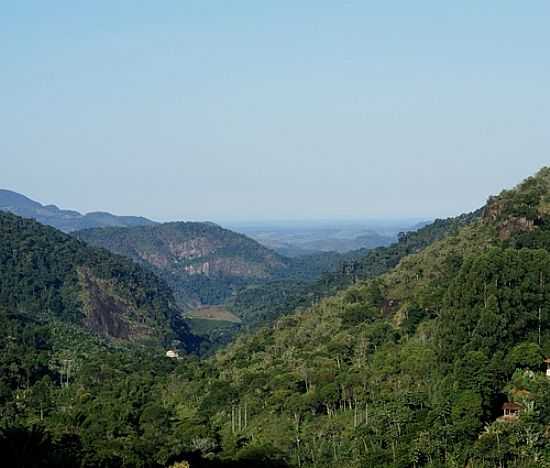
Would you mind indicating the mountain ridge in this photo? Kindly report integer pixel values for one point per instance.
(65, 220)
(49, 274)
(411, 368)
(203, 262)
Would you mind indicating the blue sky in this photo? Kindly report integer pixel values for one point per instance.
(247, 110)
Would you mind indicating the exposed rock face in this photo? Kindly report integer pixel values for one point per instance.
(202, 262)
(190, 248)
(208, 257)
(514, 225)
(193, 248)
(107, 314)
(498, 213)
(174, 251)
(52, 276)
(492, 210)
(230, 267)
(198, 269)
(155, 259)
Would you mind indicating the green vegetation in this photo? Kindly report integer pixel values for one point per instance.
(202, 262)
(216, 333)
(46, 274)
(408, 368)
(252, 281)
(261, 304)
(205, 264)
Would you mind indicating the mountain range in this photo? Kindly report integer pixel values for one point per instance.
(418, 366)
(210, 269)
(64, 220)
(204, 264)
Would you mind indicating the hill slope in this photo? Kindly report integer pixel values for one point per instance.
(65, 220)
(202, 262)
(407, 369)
(48, 275)
(263, 303)
(206, 265)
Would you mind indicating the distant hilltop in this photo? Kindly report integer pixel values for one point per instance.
(65, 220)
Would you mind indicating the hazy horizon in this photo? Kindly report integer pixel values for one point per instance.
(249, 112)
(262, 222)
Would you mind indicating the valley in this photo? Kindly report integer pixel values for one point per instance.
(209, 267)
(403, 355)
(218, 313)
(282, 234)
(299, 238)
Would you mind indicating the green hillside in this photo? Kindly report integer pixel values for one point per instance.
(410, 368)
(261, 304)
(406, 369)
(202, 262)
(46, 275)
(206, 265)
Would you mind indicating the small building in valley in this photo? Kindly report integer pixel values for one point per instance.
(511, 410)
(547, 362)
(172, 354)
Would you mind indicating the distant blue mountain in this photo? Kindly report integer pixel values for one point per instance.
(65, 220)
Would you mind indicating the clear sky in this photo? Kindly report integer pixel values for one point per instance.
(254, 110)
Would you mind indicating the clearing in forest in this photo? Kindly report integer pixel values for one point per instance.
(213, 313)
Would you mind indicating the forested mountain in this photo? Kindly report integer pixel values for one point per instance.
(207, 265)
(408, 368)
(48, 276)
(65, 220)
(202, 262)
(261, 304)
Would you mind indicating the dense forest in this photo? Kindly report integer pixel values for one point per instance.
(47, 275)
(411, 364)
(261, 304)
(204, 263)
(252, 281)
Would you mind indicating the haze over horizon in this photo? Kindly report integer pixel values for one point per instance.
(254, 112)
